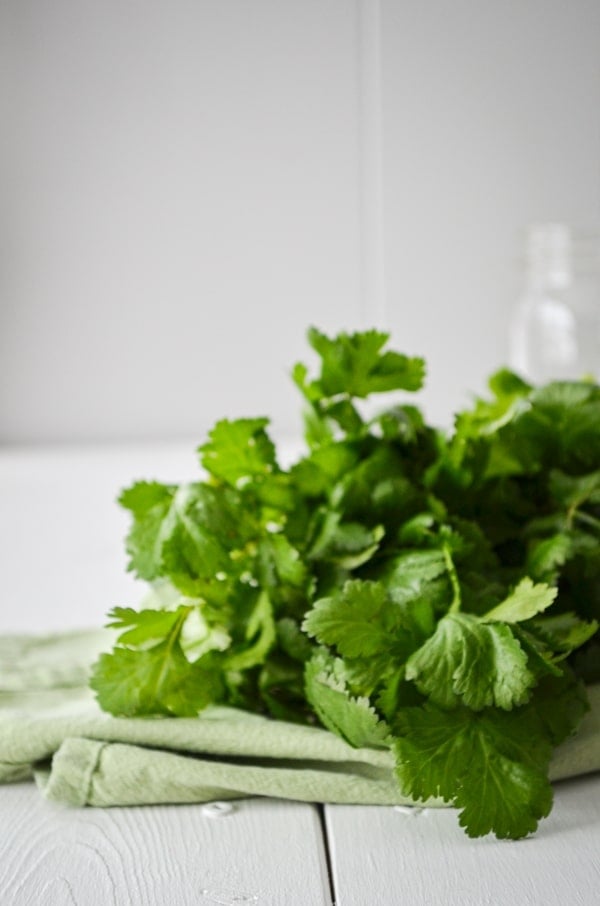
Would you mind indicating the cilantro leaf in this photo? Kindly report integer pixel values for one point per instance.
(316, 474)
(350, 544)
(565, 632)
(156, 680)
(524, 602)
(352, 718)
(142, 626)
(197, 535)
(558, 429)
(490, 765)
(478, 664)
(260, 634)
(574, 491)
(560, 703)
(411, 574)
(354, 364)
(239, 451)
(547, 555)
(283, 563)
(293, 641)
(149, 502)
(358, 621)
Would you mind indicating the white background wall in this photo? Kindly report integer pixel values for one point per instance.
(187, 185)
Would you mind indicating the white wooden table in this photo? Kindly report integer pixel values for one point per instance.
(63, 567)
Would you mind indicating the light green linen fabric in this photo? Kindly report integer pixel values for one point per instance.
(52, 729)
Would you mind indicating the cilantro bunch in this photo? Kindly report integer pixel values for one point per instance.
(435, 594)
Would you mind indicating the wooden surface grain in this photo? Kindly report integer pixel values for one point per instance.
(259, 851)
(422, 857)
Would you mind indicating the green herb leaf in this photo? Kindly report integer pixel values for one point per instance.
(239, 451)
(354, 364)
(490, 765)
(157, 680)
(524, 602)
(358, 621)
(149, 502)
(470, 662)
(352, 718)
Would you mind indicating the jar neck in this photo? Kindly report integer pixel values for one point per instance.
(549, 257)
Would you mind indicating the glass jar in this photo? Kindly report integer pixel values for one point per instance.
(555, 329)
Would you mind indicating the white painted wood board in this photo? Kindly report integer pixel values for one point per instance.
(262, 852)
(392, 856)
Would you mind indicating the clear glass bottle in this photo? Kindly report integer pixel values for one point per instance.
(555, 329)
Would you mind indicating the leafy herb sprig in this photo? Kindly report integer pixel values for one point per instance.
(433, 594)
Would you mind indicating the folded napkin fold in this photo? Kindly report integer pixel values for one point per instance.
(52, 729)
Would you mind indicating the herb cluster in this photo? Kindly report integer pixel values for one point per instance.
(436, 594)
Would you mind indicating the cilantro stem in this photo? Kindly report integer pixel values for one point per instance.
(172, 637)
(450, 567)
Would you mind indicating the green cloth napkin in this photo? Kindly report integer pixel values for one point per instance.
(52, 729)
